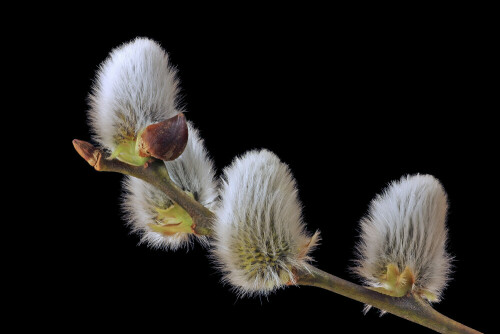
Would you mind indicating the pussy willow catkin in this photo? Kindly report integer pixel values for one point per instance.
(403, 239)
(259, 231)
(136, 86)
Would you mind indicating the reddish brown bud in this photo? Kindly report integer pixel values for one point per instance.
(165, 140)
(87, 151)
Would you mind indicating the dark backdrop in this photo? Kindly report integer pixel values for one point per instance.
(349, 107)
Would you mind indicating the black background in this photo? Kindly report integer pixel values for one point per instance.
(349, 105)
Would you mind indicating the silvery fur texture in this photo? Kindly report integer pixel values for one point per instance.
(406, 226)
(193, 171)
(136, 86)
(260, 237)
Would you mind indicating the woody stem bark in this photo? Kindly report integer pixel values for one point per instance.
(411, 307)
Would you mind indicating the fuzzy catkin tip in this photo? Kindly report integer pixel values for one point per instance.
(136, 86)
(402, 246)
(260, 237)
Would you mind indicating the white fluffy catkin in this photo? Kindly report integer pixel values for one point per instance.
(192, 171)
(135, 87)
(260, 237)
(405, 226)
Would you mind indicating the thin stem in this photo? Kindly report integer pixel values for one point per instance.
(154, 173)
(411, 307)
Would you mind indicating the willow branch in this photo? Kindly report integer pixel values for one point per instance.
(411, 307)
(154, 173)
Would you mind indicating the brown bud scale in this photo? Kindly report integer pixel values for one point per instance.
(164, 140)
(87, 151)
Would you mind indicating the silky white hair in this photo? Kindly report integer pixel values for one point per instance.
(405, 226)
(192, 171)
(136, 86)
(260, 237)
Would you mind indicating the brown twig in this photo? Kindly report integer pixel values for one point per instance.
(411, 307)
(154, 173)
